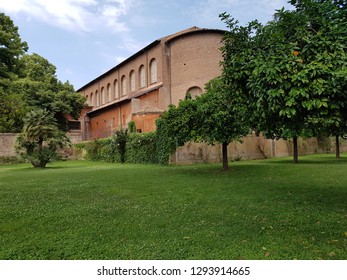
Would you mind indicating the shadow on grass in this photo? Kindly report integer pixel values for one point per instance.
(309, 160)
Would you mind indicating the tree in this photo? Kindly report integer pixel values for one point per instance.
(217, 116)
(40, 139)
(11, 49)
(177, 126)
(223, 116)
(12, 111)
(42, 89)
(328, 18)
(121, 138)
(12, 107)
(29, 82)
(294, 67)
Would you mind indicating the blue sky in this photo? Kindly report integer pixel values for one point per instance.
(85, 38)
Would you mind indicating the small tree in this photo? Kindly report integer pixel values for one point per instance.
(40, 138)
(223, 116)
(121, 139)
(132, 127)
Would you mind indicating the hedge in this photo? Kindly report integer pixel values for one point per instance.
(148, 147)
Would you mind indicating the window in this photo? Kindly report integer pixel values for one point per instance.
(102, 96)
(74, 125)
(153, 69)
(194, 91)
(142, 75)
(97, 100)
(132, 80)
(91, 100)
(124, 85)
(109, 94)
(116, 89)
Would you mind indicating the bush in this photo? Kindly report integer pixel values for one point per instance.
(142, 148)
(129, 148)
(10, 160)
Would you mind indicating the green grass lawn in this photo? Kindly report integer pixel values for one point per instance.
(268, 209)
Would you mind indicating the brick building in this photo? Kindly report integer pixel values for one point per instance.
(142, 87)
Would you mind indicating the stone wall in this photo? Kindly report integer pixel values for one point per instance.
(7, 142)
(251, 147)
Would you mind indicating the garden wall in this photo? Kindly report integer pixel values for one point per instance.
(253, 147)
(8, 140)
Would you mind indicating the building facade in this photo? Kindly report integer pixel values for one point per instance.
(142, 87)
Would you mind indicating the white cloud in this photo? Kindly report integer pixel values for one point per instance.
(131, 45)
(74, 15)
(206, 12)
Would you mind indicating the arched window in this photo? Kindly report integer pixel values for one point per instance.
(132, 81)
(116, 89)
(102, 96)
(124, 85)
(153, 70)
(142, 76)
(91, 101)
(194, 91)
(97, 99)
(109, 93)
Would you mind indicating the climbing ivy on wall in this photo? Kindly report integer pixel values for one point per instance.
(151, 147)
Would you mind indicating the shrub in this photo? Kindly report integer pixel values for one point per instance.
(128, 147)
(40, 139)
(142, 148)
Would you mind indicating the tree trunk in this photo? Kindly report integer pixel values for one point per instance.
(225, 156)
(337, 146)
(295, 150)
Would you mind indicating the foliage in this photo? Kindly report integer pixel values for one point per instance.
(165, 144)
(43, 90)
(295, 76)
(121, 138)
(266, 209)
(10, 160)
(12, 109)
(29, 82)
(132, 127)
(142, 148)
(40, 139)
(217, 116)
(223, 115)
(182, 123)
(11, 49)
(137, 148)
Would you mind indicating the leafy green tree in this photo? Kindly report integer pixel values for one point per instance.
(42, 89)
(40, 139)
(12, 107)
(217, 116)
(12, 111)
(223, 116)
(29, 82)
(177, 126)
(295, 68)
(11, 49)
(121, 138)
(328, 19)
(182, 122)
